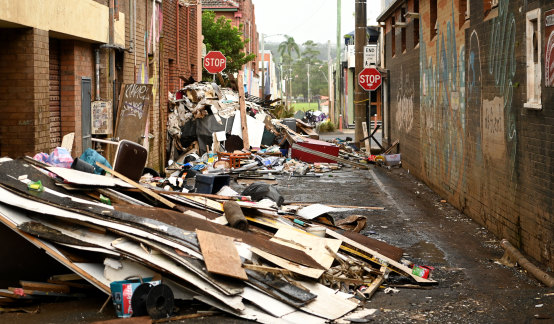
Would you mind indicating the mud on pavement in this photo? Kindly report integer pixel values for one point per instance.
(473, 287)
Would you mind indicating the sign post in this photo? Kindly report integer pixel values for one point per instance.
(370, 55)
(215, 62)
(369, 79)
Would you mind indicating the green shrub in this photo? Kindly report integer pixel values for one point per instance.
(326, 127)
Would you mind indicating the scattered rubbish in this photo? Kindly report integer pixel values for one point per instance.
(211, 226)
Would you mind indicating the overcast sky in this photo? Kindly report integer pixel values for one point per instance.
(308, 19)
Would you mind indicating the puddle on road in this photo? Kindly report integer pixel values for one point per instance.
(426, 251)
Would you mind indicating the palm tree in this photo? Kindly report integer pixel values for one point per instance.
(286, 49)
(289, 46)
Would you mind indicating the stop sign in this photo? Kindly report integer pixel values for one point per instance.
(369, 79)
(215, 62)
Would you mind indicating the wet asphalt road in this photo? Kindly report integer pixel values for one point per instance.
(472, 287)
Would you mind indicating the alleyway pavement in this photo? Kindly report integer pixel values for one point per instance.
(472, 287)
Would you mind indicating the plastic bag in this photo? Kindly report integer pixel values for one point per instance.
(259, 190)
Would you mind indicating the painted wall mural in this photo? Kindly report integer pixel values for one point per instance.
(549, 55)
(405, 103)
(502, 67)
(443, 107)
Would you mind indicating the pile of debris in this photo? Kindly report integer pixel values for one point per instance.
(191, 235)
(291, 262)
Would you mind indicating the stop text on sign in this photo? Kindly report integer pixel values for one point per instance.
(370, 79)
(215, 62)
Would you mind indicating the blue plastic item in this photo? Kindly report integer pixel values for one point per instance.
(91, 157)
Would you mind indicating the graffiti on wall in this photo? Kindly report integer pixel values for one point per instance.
(502, 67)
(405, 103)
(443, 107)
(549, 56)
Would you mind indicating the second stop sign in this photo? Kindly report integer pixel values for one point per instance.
(215, 62)
(369, 79)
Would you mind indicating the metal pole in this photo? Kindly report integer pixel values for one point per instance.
(338, 73)
(360, 96)
(263, 68)
(309, 97)
(330, 82)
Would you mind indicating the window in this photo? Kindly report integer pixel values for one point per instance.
(533, 59)
(416, 23)
(403, 32)
(433, 18)
(393, 37)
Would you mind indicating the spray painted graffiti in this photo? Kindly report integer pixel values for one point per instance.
(133, 109)
(405, 104)
(549, 62)
(493, 128)
(549, 56)
(443, 107)
(502, 67)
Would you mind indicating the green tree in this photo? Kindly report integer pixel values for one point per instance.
(288, 47)
(220, 35)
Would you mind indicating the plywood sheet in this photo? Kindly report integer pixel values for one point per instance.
(132, 114)
(313, 245)
(163, 262)
(294, 267)
(220, 255)
(87, 179)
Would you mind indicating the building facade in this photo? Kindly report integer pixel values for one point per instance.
(471, 98)
(241, 12)
(57, 59)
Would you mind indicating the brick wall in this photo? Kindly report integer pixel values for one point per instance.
(465, 131)
(24, 92)
(77, 61)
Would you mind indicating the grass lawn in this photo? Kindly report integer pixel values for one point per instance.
(304, 106)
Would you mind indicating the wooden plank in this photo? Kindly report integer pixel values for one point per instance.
(36, 292)
(266, 269)
(220, 255)
(381, 259)
(294, 267)
(330, 157)
(138, 186)
(163, 262)
(33, 285)
(50, 249)
(328, 304)
(267, 303)
(311, 244)
(366, 136)
(376, 283)
(66, 277)
(242, 107)
(87, 179)
(335, 206)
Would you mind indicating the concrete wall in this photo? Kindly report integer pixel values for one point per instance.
(460, 117)
(73, 18)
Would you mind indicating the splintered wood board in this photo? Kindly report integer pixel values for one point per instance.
(311, 244)
(366, 141)
(291, 266)
(220, 255)
(44, 286)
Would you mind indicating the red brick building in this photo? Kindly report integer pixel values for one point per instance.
(471, 103)
(241, 12)
(49, 76)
